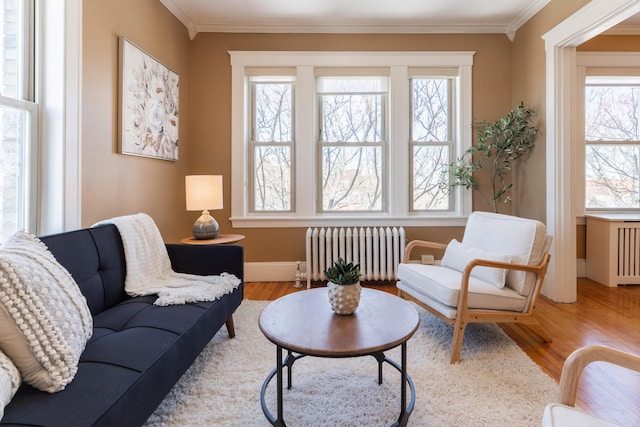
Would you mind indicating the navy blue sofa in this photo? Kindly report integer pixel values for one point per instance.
(138, 350)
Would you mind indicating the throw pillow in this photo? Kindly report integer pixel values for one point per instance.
(9, 381)
(457, 255)
(44, 318)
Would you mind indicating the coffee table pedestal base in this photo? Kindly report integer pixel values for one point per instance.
(405, 409)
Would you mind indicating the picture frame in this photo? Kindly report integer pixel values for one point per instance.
(149, 105)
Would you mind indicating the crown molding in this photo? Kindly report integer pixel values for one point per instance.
(350, 29)
(524, 16)
(224, 27)
(182, 16)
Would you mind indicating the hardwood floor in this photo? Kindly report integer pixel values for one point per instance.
(602, 315)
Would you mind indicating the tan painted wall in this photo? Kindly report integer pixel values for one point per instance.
(211, 108)
(504, 73)
(612, 43)
(529, 85)
(115, 184)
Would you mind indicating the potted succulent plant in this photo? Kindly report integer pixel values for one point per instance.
(344, 286)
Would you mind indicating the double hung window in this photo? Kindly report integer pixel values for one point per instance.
(612, 134)
(340, 138)
(271, 153)
(432, 141)
(17, 118)
(352, 129)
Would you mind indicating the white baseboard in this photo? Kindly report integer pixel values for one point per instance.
(273, 271)
(581, 267)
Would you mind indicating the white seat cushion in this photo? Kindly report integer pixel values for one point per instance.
(443, 285)
(557, 415)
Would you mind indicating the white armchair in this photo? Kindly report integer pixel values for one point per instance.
(564, 413)
(494, 275)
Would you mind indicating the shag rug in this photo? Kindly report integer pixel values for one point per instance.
(495, 384)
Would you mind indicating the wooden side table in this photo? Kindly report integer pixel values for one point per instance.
(222, 238)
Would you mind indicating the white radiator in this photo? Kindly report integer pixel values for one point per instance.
(629, 254)
(378, 250)
(613, 249)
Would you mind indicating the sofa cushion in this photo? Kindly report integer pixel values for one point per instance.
(522, 238)
(44, 319)
(95, 259)
(443, 285)
(9, 381)
(459, 255)
(142, 348)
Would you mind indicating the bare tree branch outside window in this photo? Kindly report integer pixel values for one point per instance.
(352, 140)
(431, 141)
(273, 143)
(612, 131)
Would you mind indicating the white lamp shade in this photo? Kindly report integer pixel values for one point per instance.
(204, 192)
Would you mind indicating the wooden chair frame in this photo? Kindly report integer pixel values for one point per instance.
(465, 315)
(579, 359)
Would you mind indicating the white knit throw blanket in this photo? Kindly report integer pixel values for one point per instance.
(149, 268)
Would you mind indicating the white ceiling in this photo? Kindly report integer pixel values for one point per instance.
(354, 16)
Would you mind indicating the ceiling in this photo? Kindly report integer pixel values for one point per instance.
(354, 16)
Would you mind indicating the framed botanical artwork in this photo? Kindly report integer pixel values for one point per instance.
(149, 104)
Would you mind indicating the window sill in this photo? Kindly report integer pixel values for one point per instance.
(297, 222)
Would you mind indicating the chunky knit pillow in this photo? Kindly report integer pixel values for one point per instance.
(9, 381)
(44, 318)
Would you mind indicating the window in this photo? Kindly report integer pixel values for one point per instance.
(344, 138)
(432, 143)
(612, 134)
(17, 118)
(352, 143)
(272, 102)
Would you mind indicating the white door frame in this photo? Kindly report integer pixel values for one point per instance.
(560, 44)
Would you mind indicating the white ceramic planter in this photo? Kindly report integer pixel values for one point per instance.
(344, 299)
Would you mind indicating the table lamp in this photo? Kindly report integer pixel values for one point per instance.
(204, 192)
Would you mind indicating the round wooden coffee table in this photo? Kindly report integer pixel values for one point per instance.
(304, 324)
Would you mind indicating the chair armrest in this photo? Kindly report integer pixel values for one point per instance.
(421, 244)
(579, 359)
(508, 265)
(206, 260)
(540, 270)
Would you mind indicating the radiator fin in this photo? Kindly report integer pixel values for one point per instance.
(628, 253)
(378, 250)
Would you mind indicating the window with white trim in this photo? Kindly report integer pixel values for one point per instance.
(433, 138)
(612, 140)
(353, 140)
(271, 144)
(347, 138)
(17, 118)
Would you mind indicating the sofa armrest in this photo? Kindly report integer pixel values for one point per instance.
(206, 260)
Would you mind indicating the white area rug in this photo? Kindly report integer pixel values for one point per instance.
(495, 384)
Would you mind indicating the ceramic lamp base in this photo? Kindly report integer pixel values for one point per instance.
(205, 227)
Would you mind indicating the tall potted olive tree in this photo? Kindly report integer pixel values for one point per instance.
(500, 144)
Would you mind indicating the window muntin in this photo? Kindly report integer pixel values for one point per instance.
(17, 118)
(352, 129)
(432, 143)
(272, 142)
(612, 134)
